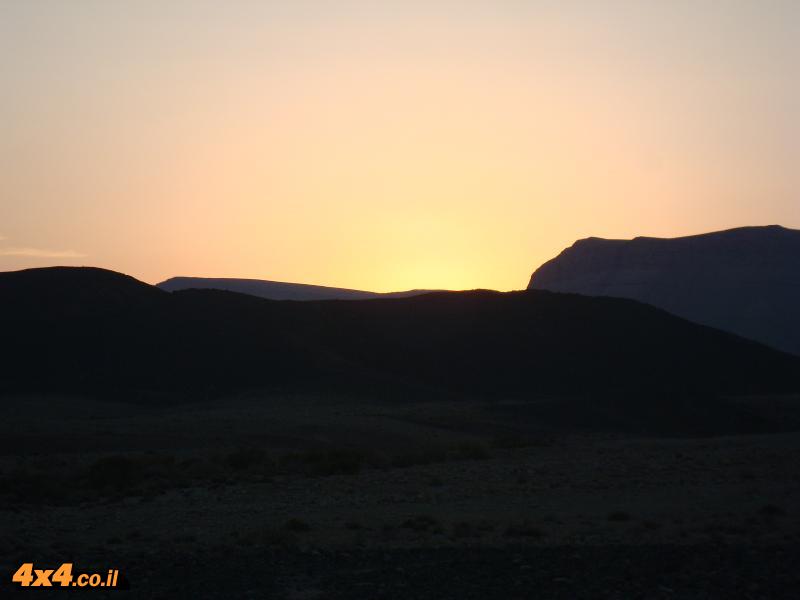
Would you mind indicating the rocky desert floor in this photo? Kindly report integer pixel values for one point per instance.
(292, 497)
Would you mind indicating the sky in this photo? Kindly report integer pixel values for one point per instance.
(387, 145)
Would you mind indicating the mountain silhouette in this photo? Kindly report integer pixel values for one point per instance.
(277, 290)
(746, 280)
(83, 330)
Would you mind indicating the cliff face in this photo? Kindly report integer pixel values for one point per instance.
(746, 281)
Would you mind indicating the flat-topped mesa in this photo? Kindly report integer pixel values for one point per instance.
(745, 280)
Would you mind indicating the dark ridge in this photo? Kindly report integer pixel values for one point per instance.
(93, 331)
(277, 290)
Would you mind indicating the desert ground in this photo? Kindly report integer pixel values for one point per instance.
(308, 497)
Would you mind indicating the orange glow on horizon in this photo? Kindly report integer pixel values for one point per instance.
(387, 148)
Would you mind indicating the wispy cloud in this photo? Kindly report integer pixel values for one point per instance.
(39, 252)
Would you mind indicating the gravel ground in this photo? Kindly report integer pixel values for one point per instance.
(560, 572)
(568, 516)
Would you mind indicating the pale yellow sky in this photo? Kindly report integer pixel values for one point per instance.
(387, 146)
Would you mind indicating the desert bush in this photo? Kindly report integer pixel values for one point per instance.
(772, 510)
(619, 516)
(246, 458)
(34, 486)
(425, 456)
(296, 525)
(552, 519)
(325, 462)
(471, 451)
(510, 441)
(469, 529)
(269, 536)
(524, 529)
(127, 474)
(719, 529)
(204, 469)
(116, 472)
(388, 532)
(421, 523)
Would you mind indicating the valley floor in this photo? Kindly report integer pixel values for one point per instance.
(304, 498)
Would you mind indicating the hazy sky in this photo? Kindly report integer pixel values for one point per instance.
(387, 145)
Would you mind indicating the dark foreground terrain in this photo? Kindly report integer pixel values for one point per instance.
(451, 445)
(307, 497)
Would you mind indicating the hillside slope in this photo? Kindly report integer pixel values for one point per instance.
(79, 336)
(746, 281)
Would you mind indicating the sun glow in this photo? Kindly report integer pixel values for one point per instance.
(391, 147)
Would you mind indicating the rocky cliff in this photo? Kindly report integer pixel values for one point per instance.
(746, 280)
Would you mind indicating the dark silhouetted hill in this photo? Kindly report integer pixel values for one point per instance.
(746, 281)
(89, 330)
(277, 290)
(72, 291)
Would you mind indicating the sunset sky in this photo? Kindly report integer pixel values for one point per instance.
(387, 145)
